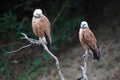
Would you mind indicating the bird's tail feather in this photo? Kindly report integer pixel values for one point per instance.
(96, 55)
(48, 40)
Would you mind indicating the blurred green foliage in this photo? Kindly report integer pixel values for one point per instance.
(64, 29)
(16, 18)
(11, 28)
(23, 76)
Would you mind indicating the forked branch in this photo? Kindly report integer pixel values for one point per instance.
(38, 42)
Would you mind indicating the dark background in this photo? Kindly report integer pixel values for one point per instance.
(65, 18)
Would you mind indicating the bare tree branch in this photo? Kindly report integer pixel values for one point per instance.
(19, 49)
(56, 59)
(84, 67)
(38, 42)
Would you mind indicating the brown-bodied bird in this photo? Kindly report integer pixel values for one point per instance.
(88, 40)
(41, 27)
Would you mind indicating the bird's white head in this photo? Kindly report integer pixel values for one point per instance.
(84, 25)
(37, 13)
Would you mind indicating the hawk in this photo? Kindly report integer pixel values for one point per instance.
(41, 27)
(88, 40)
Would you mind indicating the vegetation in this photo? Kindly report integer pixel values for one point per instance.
(65, 17)
(16, 18)
(14, 22)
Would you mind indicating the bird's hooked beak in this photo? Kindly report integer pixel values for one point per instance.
(84, 25)
(37, 15)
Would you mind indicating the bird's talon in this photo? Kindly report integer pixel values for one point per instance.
(80, 78)
(83, 55)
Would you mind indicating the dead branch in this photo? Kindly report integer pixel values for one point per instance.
(19, 49)
(38, 42)
(84, 67)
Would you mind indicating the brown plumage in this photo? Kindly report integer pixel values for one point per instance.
(41, 27)
(88, 40)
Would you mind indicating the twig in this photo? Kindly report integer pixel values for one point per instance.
(32, 41)
(56, 59)
(38, 42)
(85, 56)
(19, 49)
(84, 67)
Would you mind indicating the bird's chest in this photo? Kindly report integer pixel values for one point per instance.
(37, 28)
(37, 23)
(82, 39)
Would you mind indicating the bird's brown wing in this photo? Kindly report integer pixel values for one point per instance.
(91, 42)
(89, 38)
(47, 27)
(47, 30)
